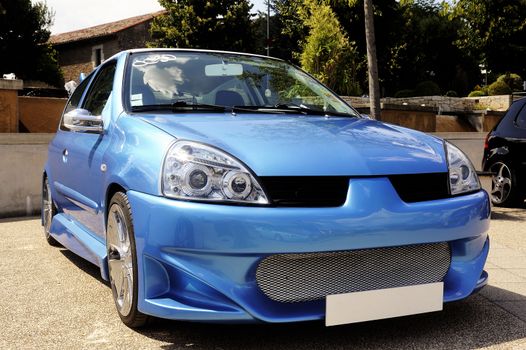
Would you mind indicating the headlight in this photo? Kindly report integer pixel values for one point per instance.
(462, 174)
(198, 172)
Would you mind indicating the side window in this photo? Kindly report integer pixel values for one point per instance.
(521, 118)
(100, 90)
(74, 100)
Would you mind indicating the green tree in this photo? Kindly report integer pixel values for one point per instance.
(204, 24)
(287, 30)
(24, 32)
(427, 50)
(384, 16)
(494, 32)
(327, 53)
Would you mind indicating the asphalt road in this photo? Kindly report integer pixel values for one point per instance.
(50, 298)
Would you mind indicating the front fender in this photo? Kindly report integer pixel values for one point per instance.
(135, 156)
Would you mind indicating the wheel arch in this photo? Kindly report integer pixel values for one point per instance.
(113, 188)
(500, 154)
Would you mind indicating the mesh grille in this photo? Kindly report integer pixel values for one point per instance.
(312, 276)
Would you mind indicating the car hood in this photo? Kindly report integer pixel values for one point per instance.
(297, 145)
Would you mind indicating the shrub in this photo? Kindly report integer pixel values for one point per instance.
(476, 93)
(514, 81)
(451, 93)
(427, 88)
(499, 87)
(405, 93)
(329, 55)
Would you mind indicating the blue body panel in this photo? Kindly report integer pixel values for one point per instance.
(197, 261)
(197, 254)
(315, 145)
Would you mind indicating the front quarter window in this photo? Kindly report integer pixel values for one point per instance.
(100, 90)
(74, 100)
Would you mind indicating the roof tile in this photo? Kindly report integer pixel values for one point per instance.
(101, 30)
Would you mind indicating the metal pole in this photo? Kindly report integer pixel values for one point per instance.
(268, 27)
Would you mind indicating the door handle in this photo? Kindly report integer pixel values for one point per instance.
(65, 155)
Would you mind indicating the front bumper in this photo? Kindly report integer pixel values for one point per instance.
(197, 261)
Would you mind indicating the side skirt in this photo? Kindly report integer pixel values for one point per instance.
(80, 241)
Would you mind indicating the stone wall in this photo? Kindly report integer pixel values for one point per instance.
(440, 113)
(76, 57)
(443, 104)
(134, 37)
(499, 103)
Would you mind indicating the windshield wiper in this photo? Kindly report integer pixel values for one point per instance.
(185, 106)
(178, 106)
(294, 108)
(283, 108)
(311, 111)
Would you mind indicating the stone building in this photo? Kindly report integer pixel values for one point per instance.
(82, 50)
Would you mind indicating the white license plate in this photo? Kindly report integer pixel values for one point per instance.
(383, 303)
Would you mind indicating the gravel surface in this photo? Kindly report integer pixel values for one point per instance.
(50, 298)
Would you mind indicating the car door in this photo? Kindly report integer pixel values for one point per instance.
(80, 179)
(58, 171)
(519, 139)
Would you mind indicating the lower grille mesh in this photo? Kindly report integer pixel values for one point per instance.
(312, 276)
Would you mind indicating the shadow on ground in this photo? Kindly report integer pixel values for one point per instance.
(470, 324)
(84, 265)
(18, 219)
(508, 214)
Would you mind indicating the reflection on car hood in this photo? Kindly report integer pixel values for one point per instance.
(290, 145)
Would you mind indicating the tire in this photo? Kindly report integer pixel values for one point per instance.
(506, 191)
(122, 261)
(48, 212)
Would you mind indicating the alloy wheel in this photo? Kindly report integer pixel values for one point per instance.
(501, 186)
(120, 260)
(47, 208)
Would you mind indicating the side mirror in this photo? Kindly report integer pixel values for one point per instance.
(80, 120)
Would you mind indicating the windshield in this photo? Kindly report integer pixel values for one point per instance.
(177, 78)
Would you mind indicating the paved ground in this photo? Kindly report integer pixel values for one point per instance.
(51, 299)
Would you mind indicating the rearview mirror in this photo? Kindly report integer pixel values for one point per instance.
(221, 70)
(80, 120)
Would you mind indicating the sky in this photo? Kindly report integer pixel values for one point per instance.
(77, 14)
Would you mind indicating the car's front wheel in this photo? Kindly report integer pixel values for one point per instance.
(505, 189)
(48, 212)
(122, 261)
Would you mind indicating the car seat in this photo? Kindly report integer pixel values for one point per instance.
(229, 98)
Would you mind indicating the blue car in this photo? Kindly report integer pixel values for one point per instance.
(226, 187)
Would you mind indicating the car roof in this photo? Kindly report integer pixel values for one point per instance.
(141, 50)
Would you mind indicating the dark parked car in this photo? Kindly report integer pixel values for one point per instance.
(505, 157)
